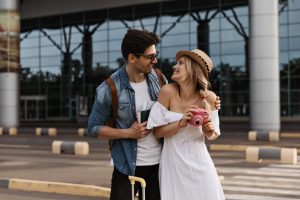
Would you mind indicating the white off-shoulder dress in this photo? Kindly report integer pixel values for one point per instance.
(186, 170)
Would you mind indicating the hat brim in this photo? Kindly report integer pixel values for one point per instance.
(193, 56)
(180, 54)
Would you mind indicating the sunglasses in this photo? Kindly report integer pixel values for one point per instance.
(151, 57)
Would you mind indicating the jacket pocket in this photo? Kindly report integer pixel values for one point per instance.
(124, 106)
(124, 112)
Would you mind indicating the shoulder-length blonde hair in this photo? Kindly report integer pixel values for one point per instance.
(199, 79)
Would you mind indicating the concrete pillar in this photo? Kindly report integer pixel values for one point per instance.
(264, 66)
(9, 63)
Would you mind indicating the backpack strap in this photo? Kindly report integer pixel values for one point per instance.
(160, 77)
(114, 104)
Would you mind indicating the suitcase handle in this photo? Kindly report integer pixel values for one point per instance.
(134, 179)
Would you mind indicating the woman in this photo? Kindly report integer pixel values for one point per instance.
(186, 169)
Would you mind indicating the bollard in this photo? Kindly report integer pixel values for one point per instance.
(284, 155)
(290, 135)
(77, 148)
(263, 136)
(46, 131)
(9, 131)
(12, 131)
(81, 132)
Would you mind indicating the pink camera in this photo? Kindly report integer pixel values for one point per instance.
(199, 117)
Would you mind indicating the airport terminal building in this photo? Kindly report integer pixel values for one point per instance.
(54, 54)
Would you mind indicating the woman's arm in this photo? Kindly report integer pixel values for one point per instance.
(165, 95)
(166, 130)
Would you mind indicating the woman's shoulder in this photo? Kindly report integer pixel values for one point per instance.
(170, 88)
(167, 92)
(211, 99)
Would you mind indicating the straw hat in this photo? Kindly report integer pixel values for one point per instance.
(199, 56)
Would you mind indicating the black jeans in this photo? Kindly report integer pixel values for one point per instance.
(121, 187)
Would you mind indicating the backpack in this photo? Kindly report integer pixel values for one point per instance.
(115, 103)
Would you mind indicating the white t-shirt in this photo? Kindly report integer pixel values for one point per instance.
(149, 147)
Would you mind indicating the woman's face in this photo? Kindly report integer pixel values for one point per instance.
(179, 70)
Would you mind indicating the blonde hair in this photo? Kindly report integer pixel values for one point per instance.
(199, 79)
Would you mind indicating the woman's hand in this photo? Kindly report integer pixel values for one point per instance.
(187, 116)
(208, 128)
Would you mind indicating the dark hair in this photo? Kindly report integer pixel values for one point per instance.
(137, 41)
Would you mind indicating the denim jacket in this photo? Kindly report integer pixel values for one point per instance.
(124, 151)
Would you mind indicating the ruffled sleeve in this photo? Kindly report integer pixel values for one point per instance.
(159, 116)
(216, 122)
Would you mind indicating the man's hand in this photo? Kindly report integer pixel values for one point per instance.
(137, 130)
(218, 103)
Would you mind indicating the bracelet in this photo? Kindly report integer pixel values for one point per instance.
(213, 136)
(180, 126)
(213, 133)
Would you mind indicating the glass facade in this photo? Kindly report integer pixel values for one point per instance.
(64, 58)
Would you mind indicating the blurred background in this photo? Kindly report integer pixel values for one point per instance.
(67, 49)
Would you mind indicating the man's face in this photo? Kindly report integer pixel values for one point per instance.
(145, 62)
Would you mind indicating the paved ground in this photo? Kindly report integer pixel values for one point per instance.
(27, 156)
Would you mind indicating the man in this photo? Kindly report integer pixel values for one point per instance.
(135, 150)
